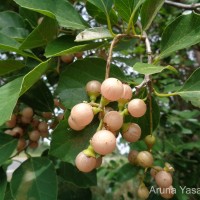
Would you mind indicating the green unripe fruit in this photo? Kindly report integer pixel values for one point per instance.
(150, 140)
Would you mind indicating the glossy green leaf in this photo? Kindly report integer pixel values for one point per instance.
(104, 5)
(66, 45)
(7, 146)
(66, 143)
(93, 34)
(183, 32)
(41, 35)
(72, 192)
(100, 15)
(39, 97)
(9, 66)
(191, 89)
(3, 183)
(124, 173)
(37, 178)
(71, 86)
(125, 8)
(11, 19)
(144, 68)
(14, 89)
(9, 44)
(16, 33)
(61, 10)
(149, 11)
(72, 175)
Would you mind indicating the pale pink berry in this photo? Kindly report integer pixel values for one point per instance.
(132, 157)
(113, 120)
(85, 163)
(133, 133)
(137, 107)
(68, 58)
(27, 112)
(103, 142)
(163, 179)
(73, 125)
(43, 127)
(12, 122)
(112, 89)
(93, 88)
(34, 135)
(127, 92)
(82, 114)
(145, 159)
(17, 131)
(167, 193)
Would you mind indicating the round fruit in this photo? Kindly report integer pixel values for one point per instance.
(17, 131)
(143, 192)
(167, 193)
(26, 120)
(73, 125)
(27, 112)
(44, 134)
(132, 157)
(137, 107)
(93, 88)
(127, 92)
(67, 58)
(43, 127)
(150, 141)
(34, 135)
(112, 89)
(113, 120)
(133, 133)
(154, 170)
(103, 142)
(12, 122)
(163, 179)
(82, 114)
(21, 144)
(85, 163)
(79, 55)
(145, 159)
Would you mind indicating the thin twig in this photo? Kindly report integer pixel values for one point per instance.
(193, 6)
(113, 43)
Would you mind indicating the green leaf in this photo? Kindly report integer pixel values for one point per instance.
(11, 19)
(9, 66)
(7, 146)
(72, 175)
(99, 15)
(9, 44)
(191, 89)
(71, 85)
(3, 183)
(16, 33)
(41, 35)
(104, 5)
(183, 32)
(124, 173)
(39, 97)
(37, 178)
(144, 68)
(61, 10)
(14, 89)
(66, 45)
(148, 12)
(125, 8)
(187, 146)
(93, 34)
(66, 143)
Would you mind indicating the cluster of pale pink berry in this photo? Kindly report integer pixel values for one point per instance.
(103, 141)
(24, 122)
(30, 127)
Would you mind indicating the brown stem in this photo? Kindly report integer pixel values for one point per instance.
(193, 6)
(113, 43)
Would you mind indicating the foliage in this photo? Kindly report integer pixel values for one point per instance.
(153, 46)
